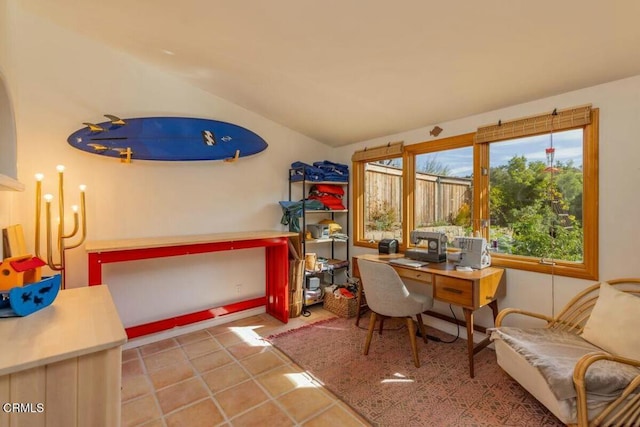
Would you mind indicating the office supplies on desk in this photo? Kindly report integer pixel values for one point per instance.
(474, 252)
(436, 250)
(388, 246)
(407, 262)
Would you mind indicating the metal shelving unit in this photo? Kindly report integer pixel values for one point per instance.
(334, 247)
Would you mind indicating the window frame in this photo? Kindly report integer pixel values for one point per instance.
(358, 173)
(587, 269)
(409, 158)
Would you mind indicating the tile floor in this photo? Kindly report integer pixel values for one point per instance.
(227, 375)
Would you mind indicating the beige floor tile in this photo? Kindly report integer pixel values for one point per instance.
(193, 337)
(219, 329)
(132, 368)
(243, 349)
(159, 360)
(177, 376)
(262, 362)
(154, 423)
(225, 377)
(201, 414)
(240, 398)
(199, 348)
(130, 354)
(211, 361)
(181, 394)
(335, 416)
(155, 347)
(229, 338)
(171, 374)
(256, 320)
(283, 379)
(302, 403)
(135, 386)
(138, 411)
(268, 413)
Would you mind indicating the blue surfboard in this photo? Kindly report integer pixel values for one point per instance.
(167, 138)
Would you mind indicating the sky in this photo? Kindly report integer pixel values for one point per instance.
(567, 144)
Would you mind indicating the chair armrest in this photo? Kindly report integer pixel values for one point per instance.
(504, 312)
(627, 412)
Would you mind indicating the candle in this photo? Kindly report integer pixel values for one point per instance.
(39, 178)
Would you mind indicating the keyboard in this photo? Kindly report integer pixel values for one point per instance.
(408, 262)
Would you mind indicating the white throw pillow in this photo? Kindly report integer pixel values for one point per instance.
(614, 323)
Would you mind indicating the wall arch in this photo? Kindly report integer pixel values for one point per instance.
(8, 142)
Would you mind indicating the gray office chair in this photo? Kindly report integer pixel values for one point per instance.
(387, 296)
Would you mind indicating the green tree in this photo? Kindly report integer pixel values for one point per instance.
(535, 210)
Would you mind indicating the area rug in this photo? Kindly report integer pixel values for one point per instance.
(388, 390)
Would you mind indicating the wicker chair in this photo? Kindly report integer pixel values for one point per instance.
(623, 411)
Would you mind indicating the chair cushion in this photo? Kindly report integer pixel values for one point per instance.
(614, 323)
(555, 354)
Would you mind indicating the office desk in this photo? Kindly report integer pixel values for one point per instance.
(468, 290)
(276, 263)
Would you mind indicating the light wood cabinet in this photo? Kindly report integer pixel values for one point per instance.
(61, 366)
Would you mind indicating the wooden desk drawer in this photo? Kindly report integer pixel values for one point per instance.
(420, 276)
(454, 291)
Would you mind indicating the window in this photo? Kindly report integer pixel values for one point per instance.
(442, 186)
(542, 199)
(383, 200)
(535, 196)
(378, 193)
(529, 186)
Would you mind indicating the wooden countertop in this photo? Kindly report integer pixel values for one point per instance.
(158, 242)
(443, 268)
(80, 321)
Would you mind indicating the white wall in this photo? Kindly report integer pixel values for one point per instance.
(619, 104)
(59, 80)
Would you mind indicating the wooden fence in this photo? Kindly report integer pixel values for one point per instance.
(438, 198)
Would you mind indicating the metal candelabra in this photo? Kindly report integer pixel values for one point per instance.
(62, 238)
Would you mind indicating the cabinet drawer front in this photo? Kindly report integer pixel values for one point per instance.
(420, 276)
(454, 291)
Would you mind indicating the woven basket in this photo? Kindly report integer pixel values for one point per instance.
(343, 307)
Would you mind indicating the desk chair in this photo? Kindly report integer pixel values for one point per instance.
(387, 296)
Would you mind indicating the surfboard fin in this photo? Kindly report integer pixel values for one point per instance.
(125, 154)
(98, 147)
(115, 120)
(93, 127)
(234, 158)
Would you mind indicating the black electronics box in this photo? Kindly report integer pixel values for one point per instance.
(388, 246)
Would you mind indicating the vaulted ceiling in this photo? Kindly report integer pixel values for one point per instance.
(343, 71)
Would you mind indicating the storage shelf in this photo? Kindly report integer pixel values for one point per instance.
(320, 182)
(325, 240)
(300, 189)
(325, 211)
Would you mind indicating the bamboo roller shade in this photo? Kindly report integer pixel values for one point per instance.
(392, 149)
(542, 123)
